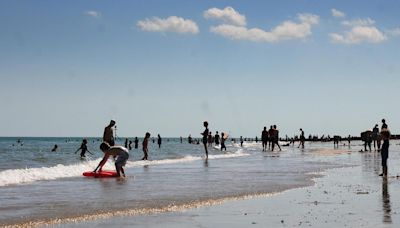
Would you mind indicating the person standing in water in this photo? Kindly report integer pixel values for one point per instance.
(205, 137)
(209, 139)
(145, 145)
(181, 139)
(126, 143)
(271, 137)
(136, 143)
(130, 145)
(223, 138)
(216, 139)
(159, 140)
(241, 141)
(385, 151)
(264, 138)
(375, 133)
(302, 139)
(275, 138)
(108, 135)
(83, 148)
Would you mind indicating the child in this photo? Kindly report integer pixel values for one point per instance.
(385, 150)
(83, 148)
(120, 152)
(223, 138)
(145, 145)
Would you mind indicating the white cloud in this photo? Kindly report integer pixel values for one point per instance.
(285, 31)
(337, 13)
(394, 32)
(228, 15)
(359, 22)
(359, 34)
(170, 24)
(92, 13)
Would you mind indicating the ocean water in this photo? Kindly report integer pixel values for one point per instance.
(37, 185)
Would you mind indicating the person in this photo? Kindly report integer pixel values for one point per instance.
(366, 136)
(181, 139)
(384, 125)
(241, 141)
(349, 139)
(108, 135)
(145, 145)
(210, 139)
(302, 139)
(136, 143)
(216, 139)
(120, 152)
(54, 148)
(256, 139)
(271, 136)
(205, 135)
(159, 140)
(126, 143)
(375, 132)
(385, 151)
(264, 138)
(190, 139)
(83, 148)
(130, 145)
(223, 138)
(275, 138)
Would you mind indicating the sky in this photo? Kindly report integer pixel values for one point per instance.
(68, 67)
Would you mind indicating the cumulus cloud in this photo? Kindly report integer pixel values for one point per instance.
(359, 34)
(394, 32)
(170, 24)
(285, 31)
(92, 13)
(337, 13)
(359, 22)
(228, 15)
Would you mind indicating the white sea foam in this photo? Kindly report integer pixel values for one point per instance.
(29, 175)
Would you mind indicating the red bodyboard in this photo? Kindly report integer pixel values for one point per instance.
(102, 174)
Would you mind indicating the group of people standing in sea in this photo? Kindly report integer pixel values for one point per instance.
(270, 138)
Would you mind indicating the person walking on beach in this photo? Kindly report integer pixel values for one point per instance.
(275, 138)
(145, 145)
(385, 151)
(83, 148)
(216, 139)
(205, 137)
(136, 143)
(375, 133)
(223, 138)
(302, 139)
(264, 138)
(108, 135)
(159, 140)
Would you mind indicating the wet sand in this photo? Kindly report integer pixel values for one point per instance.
(343, 197)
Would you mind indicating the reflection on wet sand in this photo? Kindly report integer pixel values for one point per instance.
(386, 207)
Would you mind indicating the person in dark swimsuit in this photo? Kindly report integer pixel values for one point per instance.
(385, 151)
(205, 137)
(264, 138)
(302, 139)
(384, 125)
(223, 141)
(136, 143)
(216, 139)
(159, 140)
(83, 148)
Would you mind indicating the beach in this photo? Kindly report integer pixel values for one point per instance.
(232, 187)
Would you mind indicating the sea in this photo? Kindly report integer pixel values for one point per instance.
(39, 186)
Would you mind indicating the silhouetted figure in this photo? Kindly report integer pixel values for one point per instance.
(190, 139)
(126, 143)
(181, 139)
(205, 135)
(136, 143)
(385, 151)
(223, 138)
(256, 139)
(349, 140)
(159, 140)
(270, 136)
(375, 133)
(210, 139)
(241, 141)
(83, 149)
(54, 148)
(145, 145)
(130, 145)
(302, 139)
(216, 139)
(366, 136)
(275, 138)
(384, 125)
(264, 138)
(108, 135)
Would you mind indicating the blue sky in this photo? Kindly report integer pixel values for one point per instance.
(67, 68)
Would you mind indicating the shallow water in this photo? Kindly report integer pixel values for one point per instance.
(37, 184)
